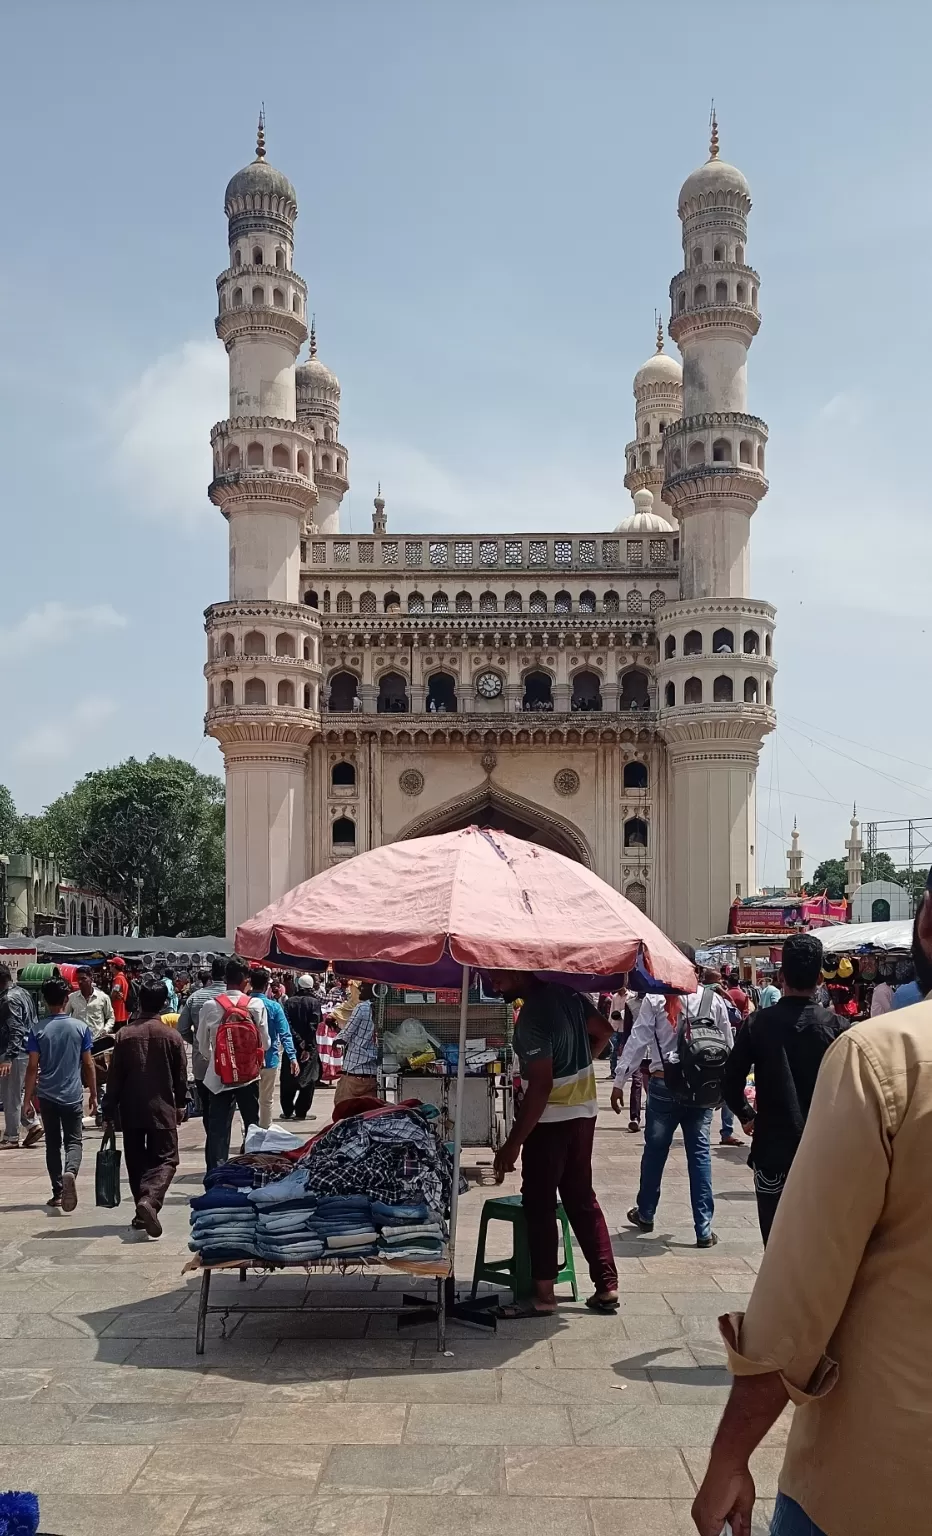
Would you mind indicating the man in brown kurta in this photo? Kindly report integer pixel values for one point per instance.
(147, 1088)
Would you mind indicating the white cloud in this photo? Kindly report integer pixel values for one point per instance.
(66, 731)
(160, 432)
(55, 623)
(847, 408)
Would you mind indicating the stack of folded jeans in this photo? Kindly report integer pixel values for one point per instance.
(345, 1221)
(420, 1241)
(223, 1226)
(287, 1234)
(280, 1191)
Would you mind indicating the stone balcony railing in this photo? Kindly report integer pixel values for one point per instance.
(475, 556)
(514, 628)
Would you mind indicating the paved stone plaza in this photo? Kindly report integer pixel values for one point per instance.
(339, 1425)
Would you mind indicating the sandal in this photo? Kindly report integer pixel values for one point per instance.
(519, 1310)
(603, 1305)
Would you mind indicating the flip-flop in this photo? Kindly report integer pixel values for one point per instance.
(597, 1304)
(517, 1311)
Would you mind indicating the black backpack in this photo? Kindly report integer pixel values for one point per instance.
(696, 1078)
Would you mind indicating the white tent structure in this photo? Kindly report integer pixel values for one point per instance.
(847, 938)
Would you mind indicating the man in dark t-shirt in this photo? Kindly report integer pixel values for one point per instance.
(557, 1033)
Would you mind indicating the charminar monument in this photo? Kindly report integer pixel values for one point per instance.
(601, 691)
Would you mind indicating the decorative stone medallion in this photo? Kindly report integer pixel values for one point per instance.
(411, 782)
(488, 761)
(566, 782)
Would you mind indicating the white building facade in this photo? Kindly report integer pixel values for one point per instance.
(605, 693)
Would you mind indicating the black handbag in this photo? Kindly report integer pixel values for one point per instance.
(107, 1172)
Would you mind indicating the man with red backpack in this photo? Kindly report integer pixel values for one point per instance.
(233, 1036)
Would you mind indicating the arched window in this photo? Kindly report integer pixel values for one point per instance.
(440, 603)
(751, 642)
(692, 691)
(880, 910)
(739, 255)
(682, 300)
(768, 645)
(723, 642)
(343, 776)
(587, 692)
(512, 602)
(278, 298)
(538, 692)
(768, 693)
(280, 259)
(696, 453)
(233, 457)
(344, 602)
(646, 432)
(73, 918)
(237, 259)
(611, 602)
(307, 695)
(255, 456)
(697, 255)
(415, 602)
(306, 650)
(367, 603)
(328, 434)
(296, 304)
(257, 256)
(254, 644)
(661, 427)
(226, 694)
(745, 452)
(488, 603)
(343, 694)
(284, 645)
(692, 644)
(645, 458)
(441, 693)
(310, 598)
(700, 296)
(393, 694)
(83, 917)
(237, 298)
(723, 690)
(760, 458)
(106, 923)
(281, 458)
(391, 602)
(721, 293)
(343, 833)
(721, 451)
(587, 602)
(635, 690)
(753, 298)
(635, 776)
(258, 297)
(635, 832)
(228, 646)
(254, 691)
(719, 253)
(669, 695)
(750, 690)
(634, 601)
(636, 893)
(669, 647)
(286, 692)
(741, 294)
(657, 600)
(537, 602)
(562, 603)
(677, 459)
(326, 463)
(464, 602)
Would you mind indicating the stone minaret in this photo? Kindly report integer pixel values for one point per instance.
(379, 521)
(318, 396)
(854, 853)
(715, 674)
(658, 396)
(794, 863)
(263, 666)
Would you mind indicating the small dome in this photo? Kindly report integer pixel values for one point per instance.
(258, 180)
(659, 369)
(315, 383)
(712, 179)
(644, 519)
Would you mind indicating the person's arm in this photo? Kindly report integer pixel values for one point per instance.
(831, 1204)
(113, 1087)
(179, 1061)
(538, 1079)
(352, 1026)
(89, 1075)
(256, 1008)
(32, 1070)
(737, 1068)
(69, 1006)
(210, 1013)
(185, 1025)
(109, 1015)
(599, 1029)
(287, 1039)
(636, 1048)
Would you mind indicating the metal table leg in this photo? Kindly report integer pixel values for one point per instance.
(202, 1313)
(441, 1316)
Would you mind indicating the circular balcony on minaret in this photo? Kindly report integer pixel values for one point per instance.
(262, 302)
(720, 453)
(718, 296)
(262, 459)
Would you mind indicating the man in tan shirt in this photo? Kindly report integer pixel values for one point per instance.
(839, 1320)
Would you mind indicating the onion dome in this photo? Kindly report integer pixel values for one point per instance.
(318, 388)
(659, 369)
(716, 182)
(644, 519)
(260, 186)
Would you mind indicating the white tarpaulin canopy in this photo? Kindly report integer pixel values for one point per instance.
(847, 937)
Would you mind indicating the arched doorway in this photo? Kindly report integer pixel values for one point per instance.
(441, 693)
(538, 691)
(393, 695)
(502, 812)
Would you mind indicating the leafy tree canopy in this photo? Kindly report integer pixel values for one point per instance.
(9, 822)
(829, 876)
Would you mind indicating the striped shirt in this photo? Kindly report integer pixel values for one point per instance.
(553, 1025)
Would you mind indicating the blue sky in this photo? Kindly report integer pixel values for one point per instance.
(487, 222)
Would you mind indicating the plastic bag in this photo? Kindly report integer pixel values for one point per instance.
(107, 1172)
(410, 1038)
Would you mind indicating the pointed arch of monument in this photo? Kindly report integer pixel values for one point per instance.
(491, 806)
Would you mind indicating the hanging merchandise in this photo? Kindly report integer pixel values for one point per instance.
(331, 1057)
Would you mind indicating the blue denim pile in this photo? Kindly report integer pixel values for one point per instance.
(409, 1231)
(223, 1226)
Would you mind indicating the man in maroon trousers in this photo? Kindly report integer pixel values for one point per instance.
(557, 1034)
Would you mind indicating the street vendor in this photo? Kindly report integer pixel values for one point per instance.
(360, 1052)
(556, 1037)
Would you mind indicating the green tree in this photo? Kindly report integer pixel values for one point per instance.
(879, 866)
(829, 876)
(152, 829)
(9, 822)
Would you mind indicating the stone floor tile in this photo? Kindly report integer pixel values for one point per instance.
(249, 1470)
(707, 1304)
(50, 1470)
(410, 1469)
(641, 1517)
(641, 1424)
(307, 1324)
(180, 1352)
(68, 1351)
(148, 1423)
(17, 1386)
(501, 1352)
(256, 1391)
(587, 1472)
(420, 1386)
(351, 1354)
(571, 1386)
(765, 1467)
(699, 1385)
(292, 1515)
(326, 1424)
(140, 1514)
(488, 1517)
(487, 1424)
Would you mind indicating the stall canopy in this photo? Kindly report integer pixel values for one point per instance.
(79, 945)
(847, 938)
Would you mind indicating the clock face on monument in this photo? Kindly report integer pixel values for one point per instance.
(489, 685)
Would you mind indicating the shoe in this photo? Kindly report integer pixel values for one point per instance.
(637, 1220)
(55, 1202)
(69, 1192)
(732, 1141)
(634, 1127)
(707, 1242)
(9, 1145)
(33, 1136)
(148, 1220)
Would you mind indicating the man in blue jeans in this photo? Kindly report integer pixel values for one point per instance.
(654, 1037)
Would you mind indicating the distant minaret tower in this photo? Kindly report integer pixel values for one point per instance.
(658, 396)
(318, 392)
(794, 863)
(854, 849)
(379, 523)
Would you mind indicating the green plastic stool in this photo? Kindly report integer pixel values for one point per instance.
(516, 1271)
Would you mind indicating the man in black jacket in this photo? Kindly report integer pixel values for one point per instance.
(303, 1014)
(784, 1046)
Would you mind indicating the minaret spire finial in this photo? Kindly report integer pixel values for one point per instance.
(713, 135)
(659, 331)
(314, 335)
(260, 134)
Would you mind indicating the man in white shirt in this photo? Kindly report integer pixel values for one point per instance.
(655, 1038)
(90, 1005)
(881, 999)
(221, 1101)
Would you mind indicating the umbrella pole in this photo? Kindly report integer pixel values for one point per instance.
(458, 1122)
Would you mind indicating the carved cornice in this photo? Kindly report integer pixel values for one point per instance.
(688, 488)
(265, 610)
(740, 319)
(261, 320)
(278, 487)
(235, 274)
(275, 424)
(681, 610)
(274, 726)
(716, 727)
(480, 732)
